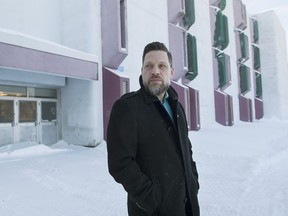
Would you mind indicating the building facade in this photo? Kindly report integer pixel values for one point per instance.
(274, 65)
(63, 63)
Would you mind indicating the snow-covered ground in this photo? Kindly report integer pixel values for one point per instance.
(243, 172)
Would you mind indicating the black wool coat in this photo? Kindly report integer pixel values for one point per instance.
(151, 156)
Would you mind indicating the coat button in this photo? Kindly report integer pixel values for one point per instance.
(185, 200)
(170, 129)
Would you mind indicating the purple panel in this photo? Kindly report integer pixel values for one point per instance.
(223, 108)
(177, 48)
(220, 113)
(259, 108)
(180, 91)
(114, 32)
(176, 10)
(240, 16)
(194, 109)
(215, 70)
(22, 58)
(237, 12)
(112, 90)
(183, 97)
(245, 106)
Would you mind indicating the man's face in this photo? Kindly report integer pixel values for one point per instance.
(156, 72)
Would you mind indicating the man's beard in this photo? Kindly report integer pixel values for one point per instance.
(156, 90)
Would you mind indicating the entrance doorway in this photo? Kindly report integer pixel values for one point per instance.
(29, 116)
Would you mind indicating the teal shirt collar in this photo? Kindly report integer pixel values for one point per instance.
(167, 106)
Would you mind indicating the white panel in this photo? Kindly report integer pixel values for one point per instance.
(6, 135)
(27, 133)
(49, 134)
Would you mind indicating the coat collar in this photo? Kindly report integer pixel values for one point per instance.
(151, 98)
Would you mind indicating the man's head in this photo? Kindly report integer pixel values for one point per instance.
(157, 69)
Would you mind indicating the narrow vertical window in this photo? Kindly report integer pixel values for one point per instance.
(244, 46)
(244, 79)
(221, 34)
(192, 58)
(222, 70)
(258, 85)
(189, 17)
(123, 23)
(255, 31)
(257, 62)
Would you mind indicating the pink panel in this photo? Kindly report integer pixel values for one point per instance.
(240, 15)
(114, 32)
(113, 89)
(245, 106)
(223, 108)
(183, 98)
(176, 46)
(176, 10)
(22, 58)
(259, 108)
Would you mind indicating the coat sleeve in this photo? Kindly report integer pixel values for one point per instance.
(122, 150)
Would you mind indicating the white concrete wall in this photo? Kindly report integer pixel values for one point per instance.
(274, 65)
(32, 17)
(82, 100)
(75, 24)
(72, 24)
(82, 119)
(79, 25)
(147, 22)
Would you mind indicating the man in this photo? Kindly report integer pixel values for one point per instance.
(149, 151)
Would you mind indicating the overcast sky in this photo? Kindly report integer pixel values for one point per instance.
(280, 6)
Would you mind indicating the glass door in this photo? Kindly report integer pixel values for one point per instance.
(26, 124)
(48, 125)
(28, 114)
(7, 121)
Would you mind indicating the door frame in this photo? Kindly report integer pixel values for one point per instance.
(15, 125)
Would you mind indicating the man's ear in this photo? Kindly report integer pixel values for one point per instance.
(172, 73)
